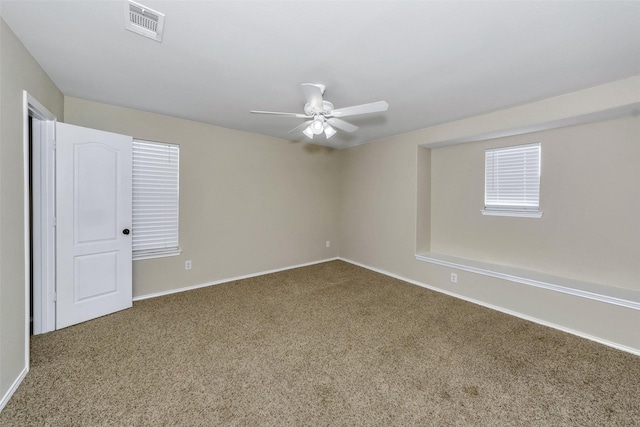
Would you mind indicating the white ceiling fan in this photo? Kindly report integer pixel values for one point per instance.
(321, 115)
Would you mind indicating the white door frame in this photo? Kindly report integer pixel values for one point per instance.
(42, 177)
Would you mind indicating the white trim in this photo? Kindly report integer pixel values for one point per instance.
(26, 220)
(501, 309)
(44, 274)
(13, 388)
(37, 109)
(26, 158)
(607, 294)
(232, 279)
(504, 212)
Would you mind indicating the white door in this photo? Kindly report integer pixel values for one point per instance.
(93, 211)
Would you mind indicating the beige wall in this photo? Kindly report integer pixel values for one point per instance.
(18, 72)
(589, 186)
(577, 237)
(248, 203)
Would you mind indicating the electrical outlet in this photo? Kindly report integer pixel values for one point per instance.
(454, 278)
(328, 243)
(187, 265)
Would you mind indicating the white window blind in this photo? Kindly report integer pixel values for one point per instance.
(156, 169)
(512, 180)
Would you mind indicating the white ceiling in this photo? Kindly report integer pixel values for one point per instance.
(433, 62)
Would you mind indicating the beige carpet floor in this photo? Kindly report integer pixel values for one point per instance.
(326, 345)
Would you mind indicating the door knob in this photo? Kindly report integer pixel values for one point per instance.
(125, 231)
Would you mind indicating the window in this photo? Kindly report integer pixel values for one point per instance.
(512, 181)
(155, 199)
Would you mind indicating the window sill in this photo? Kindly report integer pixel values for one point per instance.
(149, 255)
(521, 214)
(629, 298)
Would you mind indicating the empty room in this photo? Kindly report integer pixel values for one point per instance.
(319, 213)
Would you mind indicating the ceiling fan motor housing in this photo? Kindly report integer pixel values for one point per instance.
(327, 108)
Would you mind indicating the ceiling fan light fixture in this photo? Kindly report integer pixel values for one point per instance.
(317, 126)
(320, 115)
(329, 131)
(308, 132)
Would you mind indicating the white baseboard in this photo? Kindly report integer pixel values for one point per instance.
(231, 279)
(13, 388)
(501, 309)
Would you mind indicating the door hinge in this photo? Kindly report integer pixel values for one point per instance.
(54, 221)
(53, 296)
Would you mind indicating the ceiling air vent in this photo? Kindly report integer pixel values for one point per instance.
(142, 20)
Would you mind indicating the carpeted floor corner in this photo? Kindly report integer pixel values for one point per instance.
(329, 344)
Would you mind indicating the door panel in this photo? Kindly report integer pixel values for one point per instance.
(98, 273)
(93, 207)
(96, 181)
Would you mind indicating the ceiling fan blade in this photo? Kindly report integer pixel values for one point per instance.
(301, 126)
(342, 125)
(276, 113)
(373, 107)
(313, 92)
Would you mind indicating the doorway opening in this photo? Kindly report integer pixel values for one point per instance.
(39, 211)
